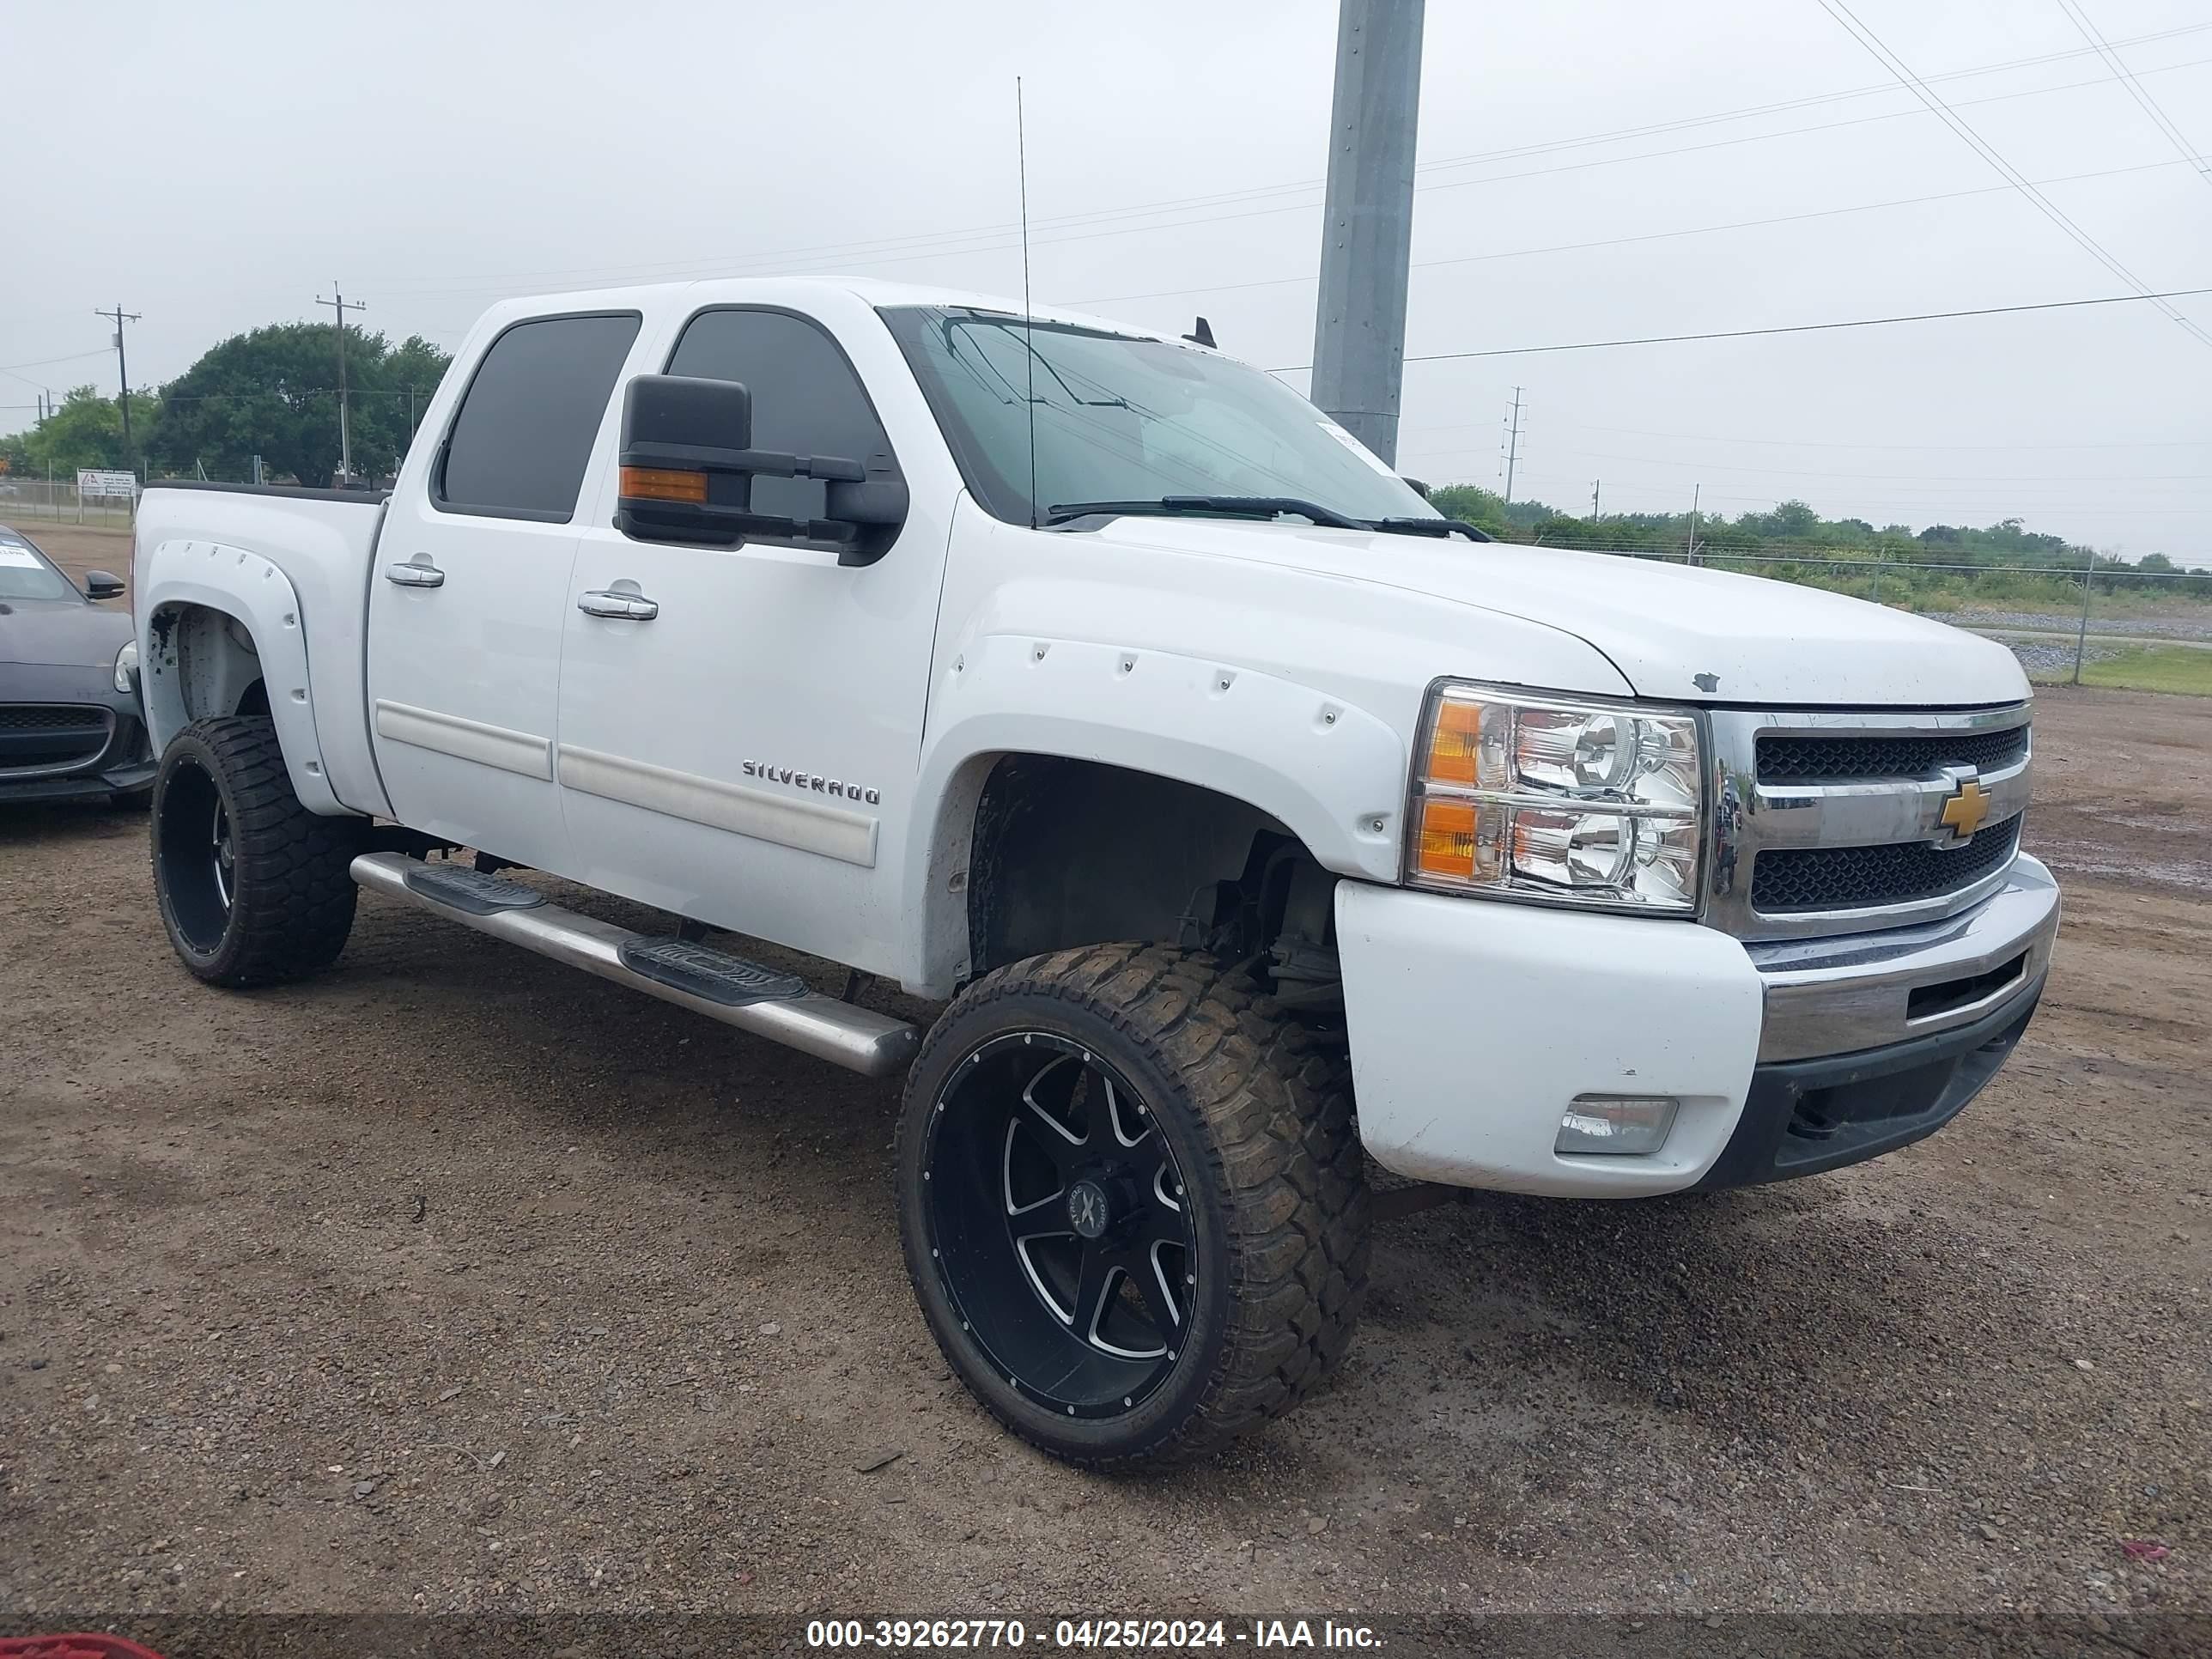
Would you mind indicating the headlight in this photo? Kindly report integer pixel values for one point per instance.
(126, 667)
(1581, 803)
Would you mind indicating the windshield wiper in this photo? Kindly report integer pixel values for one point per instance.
(1242, 506)
(1433, 527)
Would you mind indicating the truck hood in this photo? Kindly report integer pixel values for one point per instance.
(1674, 632)
(64, 633)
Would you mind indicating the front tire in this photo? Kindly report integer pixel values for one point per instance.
(254, 888)
(1133, 1202)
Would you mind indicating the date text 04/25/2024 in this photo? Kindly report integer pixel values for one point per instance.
(1106, 1634)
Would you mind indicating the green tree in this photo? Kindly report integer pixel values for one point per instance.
(274, 393)
(85, 430)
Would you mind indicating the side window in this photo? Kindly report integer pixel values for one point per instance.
(523, 434)
(806, 398)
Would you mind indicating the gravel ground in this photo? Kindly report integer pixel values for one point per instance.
(2043, 658)
(2194, 622)
(455, 1281)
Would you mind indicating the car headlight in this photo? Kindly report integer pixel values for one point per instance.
(126, 667)
(1532, 797)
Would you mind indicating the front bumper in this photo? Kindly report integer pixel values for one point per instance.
(109, 756)
(1473, 1025)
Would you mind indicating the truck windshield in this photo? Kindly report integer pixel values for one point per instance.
(1131, 424)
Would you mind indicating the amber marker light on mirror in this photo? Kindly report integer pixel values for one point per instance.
(657, 484)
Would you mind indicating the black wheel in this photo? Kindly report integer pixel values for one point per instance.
(1132, 1200)
(254, 887)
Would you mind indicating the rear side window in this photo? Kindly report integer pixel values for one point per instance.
(523, 434)
(807, 400)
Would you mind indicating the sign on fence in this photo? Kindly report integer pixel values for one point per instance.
(92, 481)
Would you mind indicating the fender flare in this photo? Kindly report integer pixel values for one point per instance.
(259, 597)
(1331, 772)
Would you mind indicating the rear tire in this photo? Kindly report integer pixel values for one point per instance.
(1192, 1263)
(254, 888)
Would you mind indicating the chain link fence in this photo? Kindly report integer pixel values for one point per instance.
(55, 502)
(2115, 624)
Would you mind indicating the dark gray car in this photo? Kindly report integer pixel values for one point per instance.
(69, 720)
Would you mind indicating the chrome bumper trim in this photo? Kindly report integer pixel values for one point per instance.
(1839, 995)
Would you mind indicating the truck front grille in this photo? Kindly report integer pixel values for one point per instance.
(1793, 880)
(1802, 758)
(1838, 820)
(37, 738)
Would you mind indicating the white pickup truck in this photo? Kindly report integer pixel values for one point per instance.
(1099, 684)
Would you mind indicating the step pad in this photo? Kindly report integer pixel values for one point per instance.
(471, 891)
(703, 971)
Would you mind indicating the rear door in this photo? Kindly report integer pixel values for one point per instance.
(470, 588)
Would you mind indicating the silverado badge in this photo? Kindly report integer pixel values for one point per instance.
(1969, 804)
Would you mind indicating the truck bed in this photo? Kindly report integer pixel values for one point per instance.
(323, 543)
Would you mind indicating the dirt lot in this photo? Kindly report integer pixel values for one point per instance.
(456, 1280)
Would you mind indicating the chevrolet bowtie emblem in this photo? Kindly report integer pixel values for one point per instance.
(1968, 805)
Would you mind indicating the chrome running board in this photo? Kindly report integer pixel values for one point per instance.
(693, 977)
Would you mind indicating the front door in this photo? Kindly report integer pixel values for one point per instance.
(739, 727)
(471, 591)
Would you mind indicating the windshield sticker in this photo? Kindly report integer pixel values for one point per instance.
(20, 557)
(1356, 448)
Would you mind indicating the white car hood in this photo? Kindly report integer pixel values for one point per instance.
(1677, 633)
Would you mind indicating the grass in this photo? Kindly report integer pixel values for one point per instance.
(2177, 668)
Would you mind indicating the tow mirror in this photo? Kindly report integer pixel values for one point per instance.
(688, 466)
(99, 585)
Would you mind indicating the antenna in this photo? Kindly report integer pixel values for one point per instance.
(1028, 347)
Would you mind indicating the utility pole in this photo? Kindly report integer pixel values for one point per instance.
(1597, 486)
(342, 305)
(119, 317)
(1367, 233)
(1512, 445)
(1697, 493)
(2081, 633)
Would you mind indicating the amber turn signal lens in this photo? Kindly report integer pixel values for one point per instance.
(1453, 744)
(654, 483)
(1447, 839)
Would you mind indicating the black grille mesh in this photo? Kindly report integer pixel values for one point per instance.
(1800, 878)
(1792, 757)
(44, 717)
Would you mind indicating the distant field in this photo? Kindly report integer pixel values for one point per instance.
(2177, 668)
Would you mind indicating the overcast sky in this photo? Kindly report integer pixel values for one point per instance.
(216, 167)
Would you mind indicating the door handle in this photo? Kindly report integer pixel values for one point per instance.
(624, 607)
(417, 572)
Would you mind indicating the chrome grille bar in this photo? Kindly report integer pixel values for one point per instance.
(1755, 814)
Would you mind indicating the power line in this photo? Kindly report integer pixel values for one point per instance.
(905, 250)
(10, 369)
(1815, 443)
(1791, 328)
(2038, 482)
(2080, 19)
(1648, 236)
(1808, 101)
(1881, 54)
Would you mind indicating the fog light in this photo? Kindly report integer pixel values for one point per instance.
(1616, 1125)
